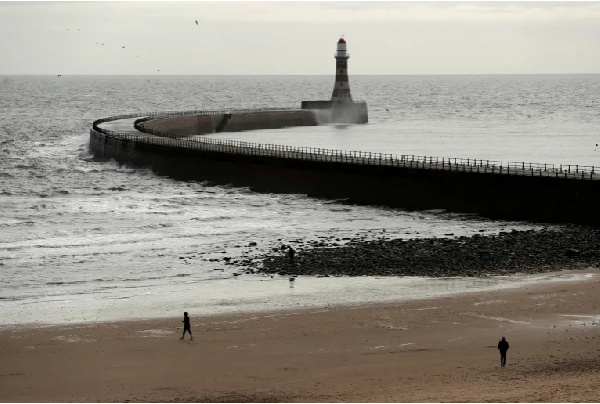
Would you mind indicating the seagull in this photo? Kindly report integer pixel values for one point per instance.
(196, 22)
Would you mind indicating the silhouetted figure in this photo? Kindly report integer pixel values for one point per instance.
(186, 325)
(503, 347)
(291, 253)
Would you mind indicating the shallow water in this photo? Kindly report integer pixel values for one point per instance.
(258, 293)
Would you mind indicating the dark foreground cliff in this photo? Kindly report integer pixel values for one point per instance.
(571, 247)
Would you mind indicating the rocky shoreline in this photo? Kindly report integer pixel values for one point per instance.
(531, 251)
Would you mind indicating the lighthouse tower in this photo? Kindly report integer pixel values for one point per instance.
(341, 89)
(341, 108)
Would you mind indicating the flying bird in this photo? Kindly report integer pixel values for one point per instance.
(59, 75)
(123, 47)
(196, 22)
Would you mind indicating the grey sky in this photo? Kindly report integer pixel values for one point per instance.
(298, 37)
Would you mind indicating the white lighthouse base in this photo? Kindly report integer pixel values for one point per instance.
(339, 112)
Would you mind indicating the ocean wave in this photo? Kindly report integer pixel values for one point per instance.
(148, 278)
(212, 218)
(65, 282)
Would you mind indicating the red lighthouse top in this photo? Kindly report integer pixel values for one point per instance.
(341, 40)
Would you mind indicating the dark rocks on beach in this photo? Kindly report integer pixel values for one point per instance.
(531, 251)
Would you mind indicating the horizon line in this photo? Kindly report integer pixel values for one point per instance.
(353, 75)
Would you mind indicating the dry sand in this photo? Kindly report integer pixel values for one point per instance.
(441, 349)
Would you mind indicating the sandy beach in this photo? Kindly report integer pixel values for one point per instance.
(439, 349)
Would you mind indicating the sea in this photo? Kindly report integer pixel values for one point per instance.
(86, 241)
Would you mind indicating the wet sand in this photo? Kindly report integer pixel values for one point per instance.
(438, 349)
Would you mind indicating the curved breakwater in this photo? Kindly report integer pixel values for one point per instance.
(517, 191)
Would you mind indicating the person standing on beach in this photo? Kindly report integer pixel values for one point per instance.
(503, 347)
(186, 325)
(291, 252)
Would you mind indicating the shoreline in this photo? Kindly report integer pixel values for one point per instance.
(329, 270)
(435, 349)
(262, 294)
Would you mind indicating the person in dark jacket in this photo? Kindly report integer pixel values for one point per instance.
(291, 253)
(186, 325)
(503, 347)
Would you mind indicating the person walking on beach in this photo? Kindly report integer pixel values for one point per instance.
(503, 347)
(186, 325)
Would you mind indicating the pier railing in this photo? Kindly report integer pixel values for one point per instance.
(351, 157)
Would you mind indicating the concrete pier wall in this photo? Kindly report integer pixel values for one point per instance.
(270, 120)
(499, 196)
(185, 126)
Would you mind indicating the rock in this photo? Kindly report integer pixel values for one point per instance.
(572, 252)
(252, 244)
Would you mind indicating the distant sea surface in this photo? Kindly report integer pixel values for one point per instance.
(88, 241)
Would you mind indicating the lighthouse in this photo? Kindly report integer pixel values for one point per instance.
(341, 88)
(341, 108)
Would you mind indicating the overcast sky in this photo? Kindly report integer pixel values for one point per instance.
(298, 37)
